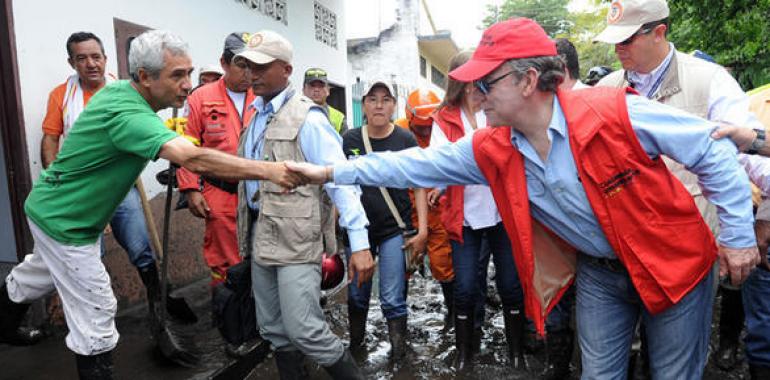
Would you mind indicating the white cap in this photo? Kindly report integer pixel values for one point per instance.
(625, 17)
(213, 69)
(266, 46)
(380, 83)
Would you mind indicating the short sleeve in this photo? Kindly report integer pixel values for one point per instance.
(53, 123)
(140, 133)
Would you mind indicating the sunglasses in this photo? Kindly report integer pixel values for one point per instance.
(485, 86)
(643, 31)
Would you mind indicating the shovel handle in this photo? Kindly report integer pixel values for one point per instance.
(149, 219)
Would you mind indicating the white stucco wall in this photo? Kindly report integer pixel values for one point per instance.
(42, 28)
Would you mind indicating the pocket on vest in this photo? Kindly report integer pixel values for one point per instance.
(288, 231)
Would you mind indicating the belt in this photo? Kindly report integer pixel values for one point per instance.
(230, 187)
(612, 264)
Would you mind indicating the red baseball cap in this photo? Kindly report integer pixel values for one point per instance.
(515, 38)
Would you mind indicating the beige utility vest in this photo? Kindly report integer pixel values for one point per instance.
(295, 227)
(686, 86)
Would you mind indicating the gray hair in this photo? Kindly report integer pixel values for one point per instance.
(551, 69)
(147, 51)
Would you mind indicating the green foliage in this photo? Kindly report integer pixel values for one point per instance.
(735, 32)
(552, 15)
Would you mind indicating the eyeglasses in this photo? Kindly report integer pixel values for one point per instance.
(485, 86)
(630, 40)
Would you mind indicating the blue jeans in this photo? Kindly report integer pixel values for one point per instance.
(392, 278)
(481, 303)
(130, 230)
(608, 308)
(467, 266)
(756, 304)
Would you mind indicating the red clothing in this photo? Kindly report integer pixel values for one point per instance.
(214, 120)
(450, 121)
(642, 209)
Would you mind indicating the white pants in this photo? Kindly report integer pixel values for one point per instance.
(79, 276)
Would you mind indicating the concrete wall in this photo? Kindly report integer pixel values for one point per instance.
(42, 28)
(393, 55)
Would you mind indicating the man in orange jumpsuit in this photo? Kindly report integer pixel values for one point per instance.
(419, 109)
(217, 112)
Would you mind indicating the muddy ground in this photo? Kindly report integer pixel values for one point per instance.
(433, 351)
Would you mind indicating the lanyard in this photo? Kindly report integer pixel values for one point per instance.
(658, 82)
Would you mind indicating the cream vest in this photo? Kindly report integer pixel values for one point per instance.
(294, 227)
(686, 86)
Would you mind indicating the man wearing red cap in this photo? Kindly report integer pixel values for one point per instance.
(581, 188)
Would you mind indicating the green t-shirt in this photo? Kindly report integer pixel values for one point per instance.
(105, 151)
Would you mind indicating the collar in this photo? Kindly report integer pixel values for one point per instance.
(557, 124)
(275, 104)
(641, 80)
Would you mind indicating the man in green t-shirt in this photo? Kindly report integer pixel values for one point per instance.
(73, 200)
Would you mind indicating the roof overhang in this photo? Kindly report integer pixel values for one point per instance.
(439, 48)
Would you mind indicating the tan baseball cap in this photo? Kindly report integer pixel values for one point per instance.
(266, 46)
(625, 17)
(380, 83)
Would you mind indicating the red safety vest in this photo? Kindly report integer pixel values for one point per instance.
(649, 218)
(450, 121)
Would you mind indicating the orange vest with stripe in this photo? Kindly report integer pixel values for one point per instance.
(647, 215)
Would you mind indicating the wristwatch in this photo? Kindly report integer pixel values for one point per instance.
(758, 142)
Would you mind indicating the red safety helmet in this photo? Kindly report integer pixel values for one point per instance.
(332, 271)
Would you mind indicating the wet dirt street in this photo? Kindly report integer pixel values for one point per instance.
(432, 351)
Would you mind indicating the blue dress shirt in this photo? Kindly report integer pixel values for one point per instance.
(321, 145)
(556, 196)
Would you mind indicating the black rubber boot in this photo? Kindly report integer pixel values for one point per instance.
(95, 367)
(463, 336)
(514, 335)
(357, 327)
(345, 368)
(759, 372)
(177, 308)
(475, 343)
(730, 324)
(448, 289)
(397, 333)
(291, 365)
(558, 354)
(11, 315)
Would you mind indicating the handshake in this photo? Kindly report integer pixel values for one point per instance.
(290, 174)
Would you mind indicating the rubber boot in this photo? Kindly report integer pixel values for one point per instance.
(11, 315)
(95, 367)
(558, 354)
(397, 333)
(291, 365)
(448, 289)
(514, 335)
(345, 368)
(759, 372)
(357, 327)
(730, 325)
(476, 340)
(463, 336)
(177, 308)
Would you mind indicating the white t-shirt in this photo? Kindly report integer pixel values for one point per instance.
(239, 99)
(480, 209)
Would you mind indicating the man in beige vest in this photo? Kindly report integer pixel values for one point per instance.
(285, 233)
(653, 66)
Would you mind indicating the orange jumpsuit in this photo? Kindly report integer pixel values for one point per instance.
(439, 249)
(213, 119)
